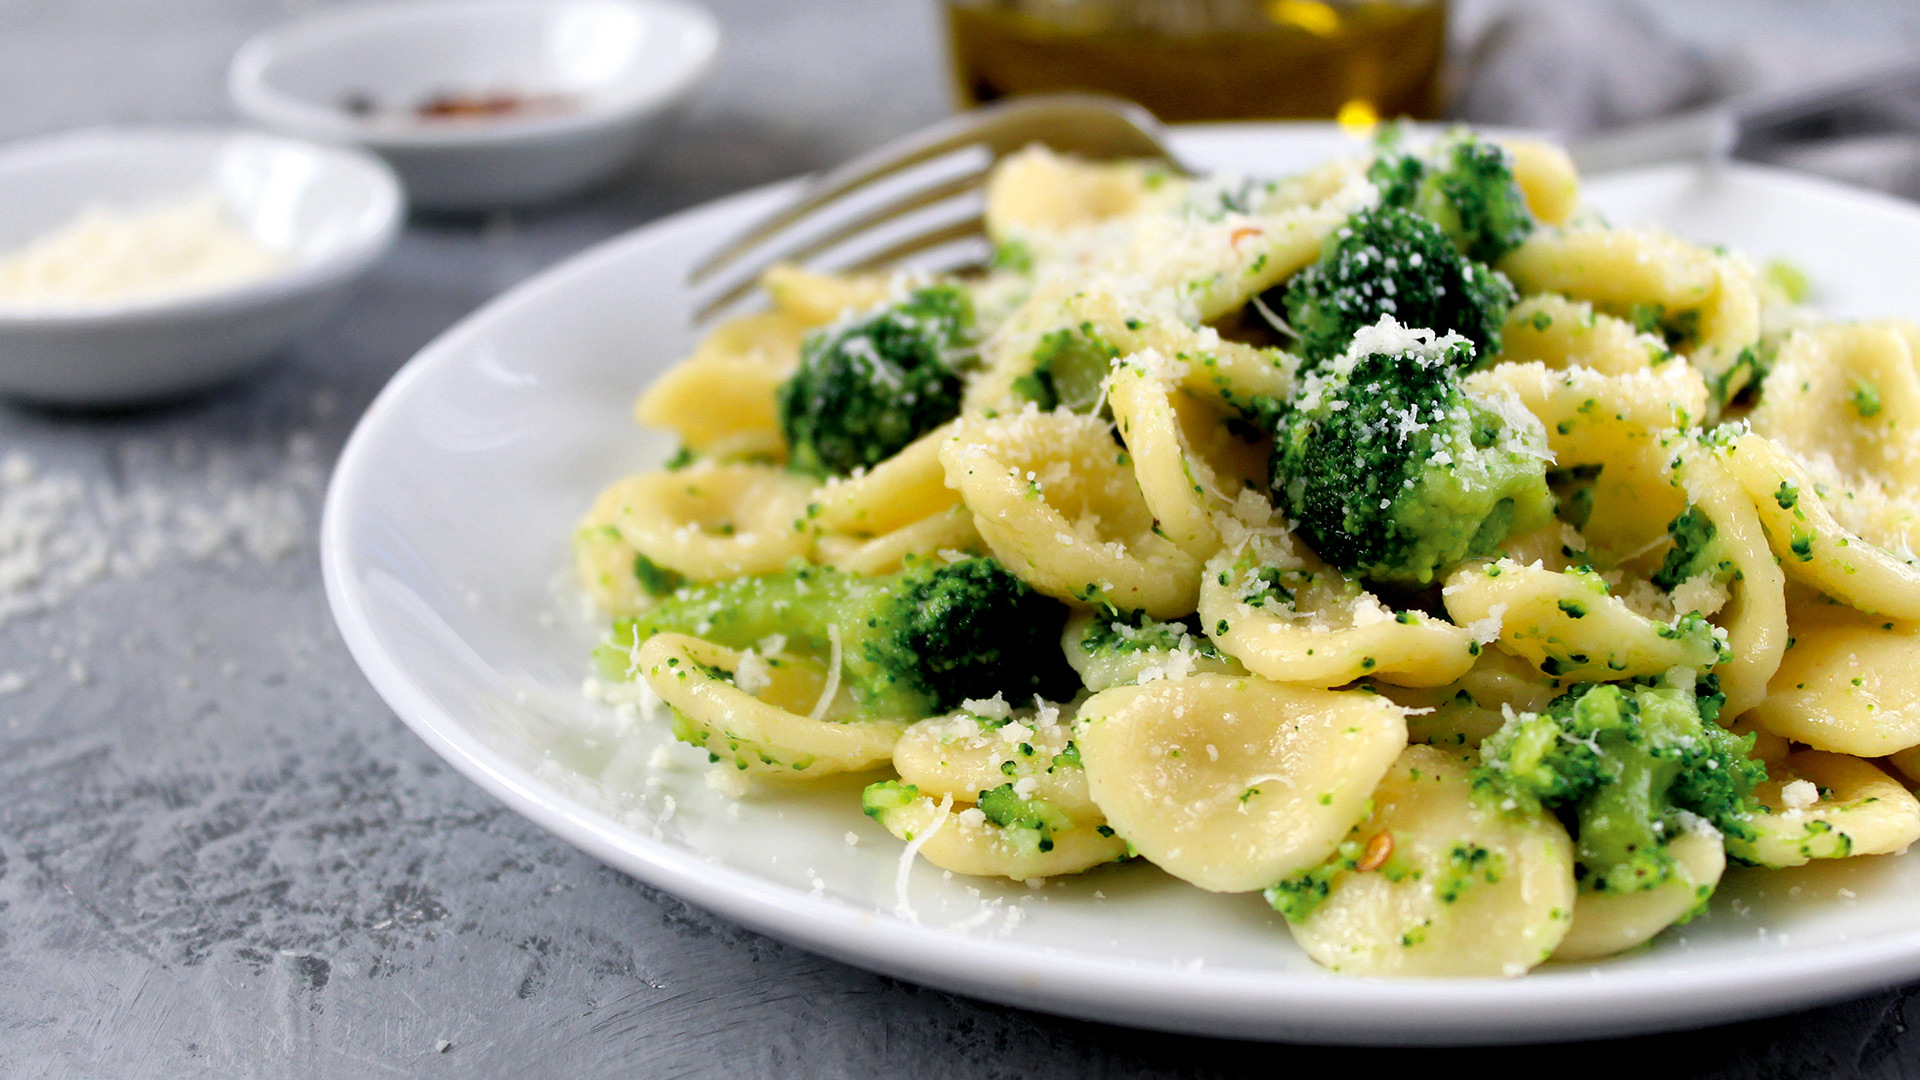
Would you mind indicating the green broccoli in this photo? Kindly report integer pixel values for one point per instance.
(657, 580)
(1391, 261)
(1741, 383)
(1393, 472)
(914, 643)
(1069, 369)
(1466, 186)
(867, 388)
(1623, 763)
(1029, 824)
(1573, 490)
(882, 798)
(1112, 648)
(1695, 552)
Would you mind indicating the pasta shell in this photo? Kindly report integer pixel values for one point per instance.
(1846, 807)
(1235, 783)
(1462, 890)
(1609, 923)
(763, 735)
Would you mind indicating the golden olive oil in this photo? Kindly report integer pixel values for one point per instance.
(1208, 59)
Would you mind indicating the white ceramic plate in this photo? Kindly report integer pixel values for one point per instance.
(445, 548)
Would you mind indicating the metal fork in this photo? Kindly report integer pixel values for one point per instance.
(1087, 126)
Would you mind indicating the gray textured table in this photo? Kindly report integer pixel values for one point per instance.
(221, 854)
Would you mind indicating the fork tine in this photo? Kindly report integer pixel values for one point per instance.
(943, 138)
(1001, 128)
(725, 300)
(914, 200)
(946, 234)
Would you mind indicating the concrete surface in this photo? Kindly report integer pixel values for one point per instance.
(221, 855)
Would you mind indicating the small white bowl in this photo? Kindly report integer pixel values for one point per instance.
(606, 69)
(331, 211)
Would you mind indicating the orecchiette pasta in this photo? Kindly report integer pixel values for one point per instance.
(1190, 468)
(1811, 545)
(1845, 401)
(1210, 366)
(1708, 301)
(965, 840)
(1467, 578)
(1570, 625)
(907, 487)
(1829, 806)
(1464, 712)
(1055, 500)
(1235, 783)
(1547, 178)
(1036, 191)
(1437, 884)
(942, 534)
(604, 561)
(1296, 623)
(1908, 762)
(1608, 923)
(1562, 333)
(1846, 690)
(1754, 614)
(763, 733)
(965, 754)
(1138, 655)
(710, 522)
(1210, 265)
(817, 299)
(1623, 425)
(998, 793)
(721, 401)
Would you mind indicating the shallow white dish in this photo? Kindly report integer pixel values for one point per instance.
(617, 65)
(332, 211)
(444, 547)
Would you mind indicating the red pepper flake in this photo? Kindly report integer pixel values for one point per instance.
(1378, 850)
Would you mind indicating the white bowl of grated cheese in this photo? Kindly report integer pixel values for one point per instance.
(480, 103)
(140, 263)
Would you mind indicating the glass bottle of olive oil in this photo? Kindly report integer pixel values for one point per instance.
(1357, 60)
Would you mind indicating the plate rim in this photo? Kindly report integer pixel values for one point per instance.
(1294, 1006)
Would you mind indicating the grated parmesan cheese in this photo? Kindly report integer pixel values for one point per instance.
(108, 256)
(1799, 794)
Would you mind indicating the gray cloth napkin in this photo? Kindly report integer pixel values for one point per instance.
(1576, 66)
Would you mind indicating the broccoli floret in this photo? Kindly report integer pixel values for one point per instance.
(1741, 383)
(915, 643)
(1069, 369)
(1123, 632)
(867, 388)
(1391, 261)
(882, 798)
(1397, 174)
(1622, 762)
(657, 580)
(1466, 186)
(1573, 492)
(1109, 648)
(1029, 824)
(1393, 472)
(1694, 552)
